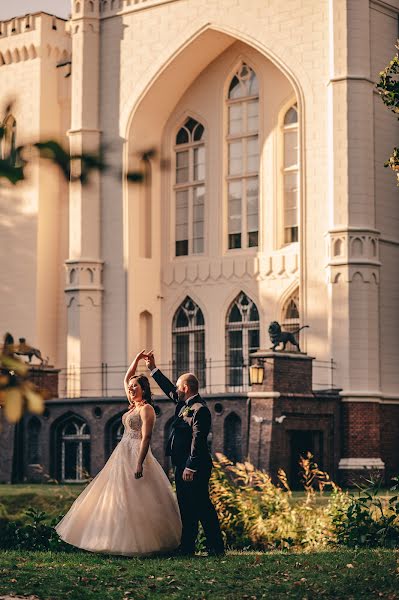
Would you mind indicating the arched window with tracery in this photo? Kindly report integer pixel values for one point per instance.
(232, 446)
(290, 316)
(9, 140)
(75, 450)
(243, 159)
(188, 340)
(242, 338)
(190, 189)
(290, 170)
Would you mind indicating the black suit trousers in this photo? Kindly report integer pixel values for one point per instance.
(196, 506)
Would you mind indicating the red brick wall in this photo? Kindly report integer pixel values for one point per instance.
(46, 380)
(287, 375)
(361, 430)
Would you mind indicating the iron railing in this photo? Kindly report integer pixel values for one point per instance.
(106, 380)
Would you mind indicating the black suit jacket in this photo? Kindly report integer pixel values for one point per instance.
(187, 445)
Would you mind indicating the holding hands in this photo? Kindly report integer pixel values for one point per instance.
(148, 357)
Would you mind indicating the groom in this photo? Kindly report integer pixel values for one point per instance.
(188, 449)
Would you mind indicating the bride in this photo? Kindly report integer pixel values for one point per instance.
(129, 508)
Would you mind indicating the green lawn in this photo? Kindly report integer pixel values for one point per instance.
(56, 499)
(52, 499)
(348, 574)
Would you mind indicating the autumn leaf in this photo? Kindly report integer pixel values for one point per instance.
(13, 404)
(34, 400)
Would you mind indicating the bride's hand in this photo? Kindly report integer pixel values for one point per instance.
(141, 355)
(139, 472)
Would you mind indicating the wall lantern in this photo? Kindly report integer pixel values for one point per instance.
(256, 373)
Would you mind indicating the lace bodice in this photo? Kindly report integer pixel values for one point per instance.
(132, 423)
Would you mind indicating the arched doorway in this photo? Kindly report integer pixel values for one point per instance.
(233, 437)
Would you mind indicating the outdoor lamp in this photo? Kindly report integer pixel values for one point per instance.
(256, 373)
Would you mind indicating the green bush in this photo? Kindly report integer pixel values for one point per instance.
(367, 520)
(255, 513)
(31, 534)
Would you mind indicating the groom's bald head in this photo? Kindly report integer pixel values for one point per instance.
(189, 380)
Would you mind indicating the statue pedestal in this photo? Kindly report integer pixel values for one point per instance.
(284, 372)
(46, 379)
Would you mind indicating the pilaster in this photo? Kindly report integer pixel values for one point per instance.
(84, 267)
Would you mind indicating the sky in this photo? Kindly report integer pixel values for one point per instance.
(17, 8)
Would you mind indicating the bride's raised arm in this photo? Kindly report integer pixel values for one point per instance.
(132, 370)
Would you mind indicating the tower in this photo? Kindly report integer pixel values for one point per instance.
(84, 266)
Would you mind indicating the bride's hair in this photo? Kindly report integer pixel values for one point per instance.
(145, 386)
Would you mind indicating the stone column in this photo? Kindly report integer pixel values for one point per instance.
(84, 266)
(352, 239)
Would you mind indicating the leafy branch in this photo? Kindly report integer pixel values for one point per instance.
(17, 392)
(388, 89)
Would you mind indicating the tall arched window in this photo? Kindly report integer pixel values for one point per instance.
(9, 140)
(290, 315)
(75, 450)
(188, 337)
(190, 188)
(290, 175)
(34, 427)
(232, 437)
(243, 159)
(242, 338)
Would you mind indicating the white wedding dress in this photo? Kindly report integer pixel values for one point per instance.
(118, 514)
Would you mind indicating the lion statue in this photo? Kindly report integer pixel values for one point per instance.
(278, 337)
(23, 349)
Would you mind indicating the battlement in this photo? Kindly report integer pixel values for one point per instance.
(29, 23)
(106, 8)
(32, 36)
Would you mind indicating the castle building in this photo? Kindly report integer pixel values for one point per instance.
(262, 140)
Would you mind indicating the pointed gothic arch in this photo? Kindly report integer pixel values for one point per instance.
(243, 163)
(290, 315)
(70, 441)
(188, 341)
(242, 338)
(189, 187)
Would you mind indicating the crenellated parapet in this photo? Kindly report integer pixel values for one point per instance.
(38, 35)
(353, 253)
(29, 23)
(108, 8)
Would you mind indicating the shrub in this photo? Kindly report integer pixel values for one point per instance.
(367, 519)
(31, 534)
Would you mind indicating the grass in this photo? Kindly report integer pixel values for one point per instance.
(52, 499)
(56, 499)
(342, 574)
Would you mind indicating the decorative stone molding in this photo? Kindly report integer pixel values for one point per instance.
(30, 52)
(279, 266)
(357, 464)
(20, 54)
(84, 275)
(353, 254)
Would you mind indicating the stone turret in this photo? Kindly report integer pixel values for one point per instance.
(84, 266)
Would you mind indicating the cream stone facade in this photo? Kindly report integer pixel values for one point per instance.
(90, 273)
